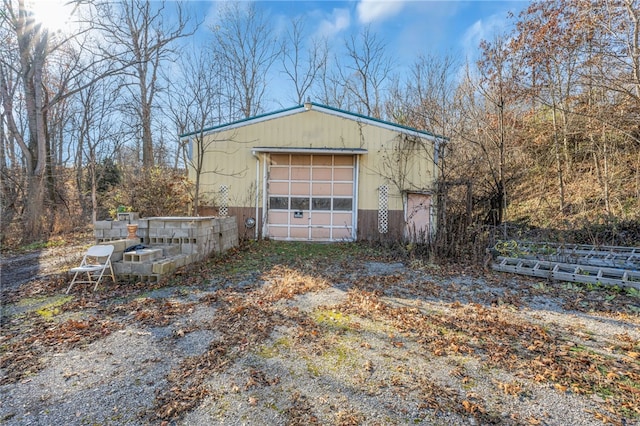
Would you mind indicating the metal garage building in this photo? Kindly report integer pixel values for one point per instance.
(316, 173)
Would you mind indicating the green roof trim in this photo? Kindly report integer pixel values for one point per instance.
(313, 104)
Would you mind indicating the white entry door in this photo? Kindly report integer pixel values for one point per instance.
(311, 197)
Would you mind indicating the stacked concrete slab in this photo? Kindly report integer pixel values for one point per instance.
(170, 242)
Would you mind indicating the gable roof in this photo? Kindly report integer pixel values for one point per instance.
(322, 108)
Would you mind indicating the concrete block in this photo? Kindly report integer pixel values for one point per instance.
(165, 232)
(120, 245)
(116, 256)
(102, 224)
(141, 268)
(127, 217)
(179, 232)
(156, 224)
(164, 267)
(143, 224)
(175, 224)
(188, 248)
(112, 233)
(180, 260)
(169, 250)
(142, 256)
(122, 268)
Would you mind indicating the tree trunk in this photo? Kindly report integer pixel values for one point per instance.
(558, 157)
(145, 118)
(35, 225)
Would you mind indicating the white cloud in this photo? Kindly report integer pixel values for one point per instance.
(482, 29)
(339, 20)
(378, 10)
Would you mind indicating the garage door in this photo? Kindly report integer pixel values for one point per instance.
(311, 197)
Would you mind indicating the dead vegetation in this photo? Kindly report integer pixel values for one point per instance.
(458, 344)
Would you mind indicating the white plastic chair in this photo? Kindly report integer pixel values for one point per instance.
(94, 263)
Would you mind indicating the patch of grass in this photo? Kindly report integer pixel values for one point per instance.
(332, 319)
(39, 245)
(339, 356)
(259, 256)
(275, 349)
(313, 368)
(51, 309)
(30, 301)
(577, 348)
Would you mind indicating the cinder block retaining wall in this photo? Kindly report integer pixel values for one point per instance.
(171, 242)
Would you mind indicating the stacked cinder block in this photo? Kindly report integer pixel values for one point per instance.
(111, 230)
(172, 242)
(119, 247)
(228, 233)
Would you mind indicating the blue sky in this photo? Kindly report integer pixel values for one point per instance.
(407, 27)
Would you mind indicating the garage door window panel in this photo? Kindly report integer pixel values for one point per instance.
(299, 232)
(298, 203)
(279, 231)
(321, 203)
(279, 203)
(343, 160)
(342, 204)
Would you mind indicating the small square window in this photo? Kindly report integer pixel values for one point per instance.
(299, 203)
(279, 203)
(343, 204)
(321, 204)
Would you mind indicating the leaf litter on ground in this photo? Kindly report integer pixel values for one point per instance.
(457, 317)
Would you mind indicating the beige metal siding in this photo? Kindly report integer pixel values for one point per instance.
(403, 163)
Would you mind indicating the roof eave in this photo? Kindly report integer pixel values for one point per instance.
(323, 108)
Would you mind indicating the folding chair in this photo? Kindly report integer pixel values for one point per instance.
(94, 263)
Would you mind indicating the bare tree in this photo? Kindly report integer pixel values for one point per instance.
(246, 45)
(302, 66)
(369, 67)
(489, 108)
(97, 134)
(30, 69)
(193, 105)
(331, 89)
(142, 37)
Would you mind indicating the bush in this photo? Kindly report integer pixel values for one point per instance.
(153, 192)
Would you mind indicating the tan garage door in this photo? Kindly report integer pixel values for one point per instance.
(311, 197)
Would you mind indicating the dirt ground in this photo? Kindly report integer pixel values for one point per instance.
(345, 334)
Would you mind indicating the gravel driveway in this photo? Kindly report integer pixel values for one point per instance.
(360, 338)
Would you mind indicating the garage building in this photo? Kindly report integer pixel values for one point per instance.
(317, 173)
